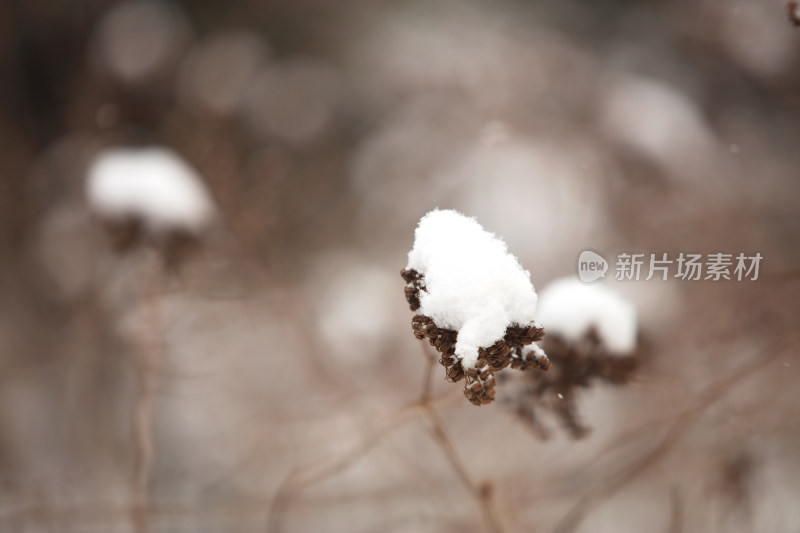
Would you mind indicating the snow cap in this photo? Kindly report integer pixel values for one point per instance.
(473, 285)
(153, 184)
(571, 308)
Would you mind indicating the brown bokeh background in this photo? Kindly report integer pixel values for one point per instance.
(286, 375)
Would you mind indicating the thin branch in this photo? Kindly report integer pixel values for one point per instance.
(480, 492)
(676, 511)
(301, 478)
(602, 491)
(426, 406)
(147, 368)
(427, 381)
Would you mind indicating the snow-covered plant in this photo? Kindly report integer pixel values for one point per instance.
(572, 309)
(474, 302)
(148, 194)
(591, 335)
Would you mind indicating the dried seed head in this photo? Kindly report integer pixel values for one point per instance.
(574, 365)
(467, 281)
(149, 196)
(124, 234)
(530, 357)
(414, 285)
(127, 233)
(514, 349)
(793, 11)
(479, 387)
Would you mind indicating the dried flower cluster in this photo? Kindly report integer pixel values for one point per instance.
(793, 11)
(149, 196)
(128, 233)
(480, 379)
(575, 365)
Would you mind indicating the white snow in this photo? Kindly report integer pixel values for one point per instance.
(569, 307)
(533, 351)
(153, 184)
(473, 284)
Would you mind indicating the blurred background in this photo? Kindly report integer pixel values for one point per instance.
(283, 370)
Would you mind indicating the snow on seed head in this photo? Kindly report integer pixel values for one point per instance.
(472, 284)
(570, 308)
(153, 185)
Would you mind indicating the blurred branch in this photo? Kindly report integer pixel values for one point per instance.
(482, 493)
(712, 394)
(676, 511)
(298, 479)
(147, 373)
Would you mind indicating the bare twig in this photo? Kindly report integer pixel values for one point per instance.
(147, 367)
(298, 479)
(676, 511)
(427, 380)
(481, 492)
(603, 490)
(301, 478)
(426, 406)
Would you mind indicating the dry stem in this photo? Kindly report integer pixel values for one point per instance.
(425, 406)
(712, 394)
(147, 359)
(482, 492)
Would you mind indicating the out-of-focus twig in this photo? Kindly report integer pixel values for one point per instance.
(426, 406)
(676, 511)
(481, 492)
(297, 479)
(147, 368)
(607, 487)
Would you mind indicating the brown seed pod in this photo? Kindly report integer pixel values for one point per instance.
(480, 382)
(574, 365)
(793, 11)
